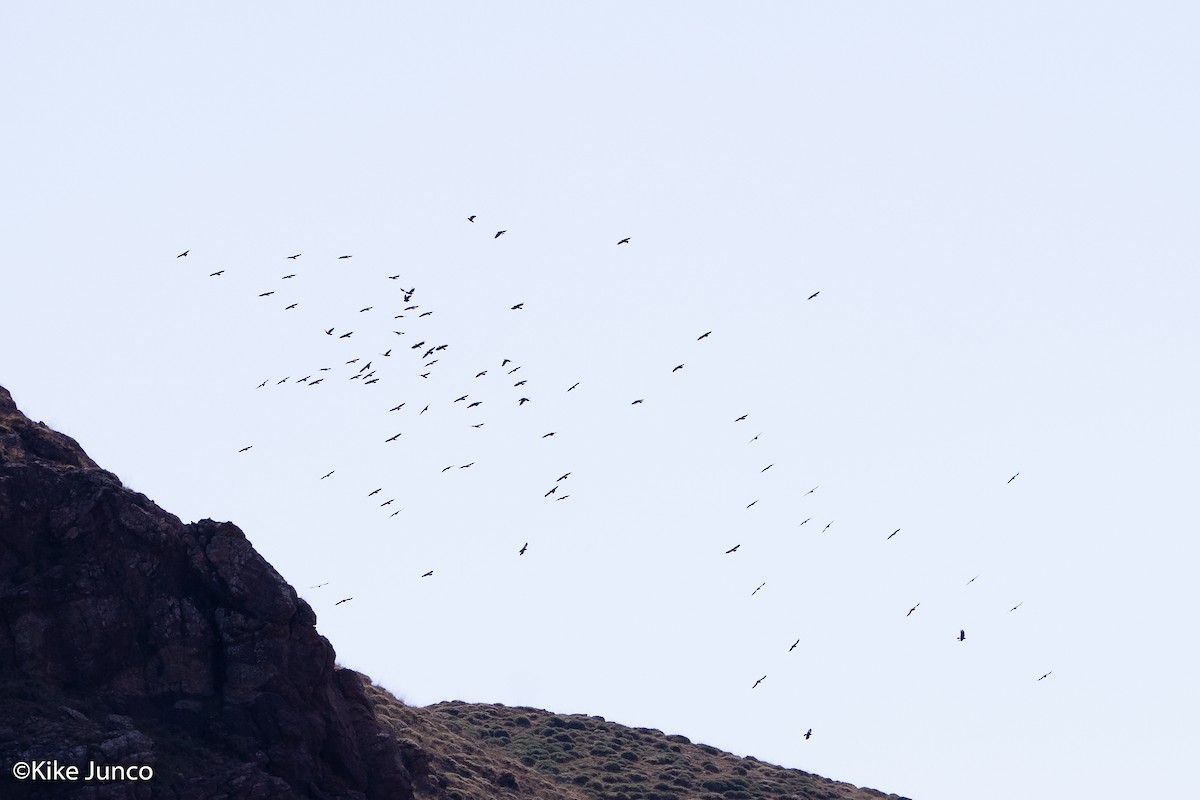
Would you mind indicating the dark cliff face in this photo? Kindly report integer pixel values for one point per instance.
(128, 637)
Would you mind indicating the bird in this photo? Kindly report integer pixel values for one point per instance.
(962, 636)
(424, 374)
(341, 257)
(767, 467)
(514, 369)
(808, 734)
(327, 474)
(184, 253)
(569, 388)
(368, 308)
(968, 583)
(624, 241)
(460, 399)
(1047, 675)
(476, 403)
(481, 374)
(464, 466)
(548, 435)
(285, 277)
(677, 368)
(394, 438)
(524, 547)
(814, 294)
(319, 585)
(444, 469)
(752, 502)
(318, 380)
(423, 410)
(261, 385)
(1010, 480)
(703, 336)
(426, 314)
(471, 218)
(394, 513)
(1018, 605)
(244, 449)
(755, 439)
(499, 234)
(564, 477)
(517, 307)
(562, 497)
(520, 383)
(393, 277)
(266, 294)
(427, 574)
(523, 401)
(914, 608)
(346, 335)
(794, 644)
(377, 491)
(805, 521)
(387, 354)
(418, 346)
(293, 258)
(387, 502)
(732, 549)
(742, 417)
(635, 402)
(552, 491)
(757, 682)
(293, 305)
(343, 600)
(827, 526)
(329, 332)
(480, 425)
(893, 533)
(810, 491)
(764, 583)
(215, 274)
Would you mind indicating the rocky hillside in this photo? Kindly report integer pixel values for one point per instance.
(172, 652)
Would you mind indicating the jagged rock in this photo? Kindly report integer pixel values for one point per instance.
(150, 632)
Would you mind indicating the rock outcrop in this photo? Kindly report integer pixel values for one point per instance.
(130, 638)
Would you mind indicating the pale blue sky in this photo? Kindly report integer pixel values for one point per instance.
(996, 202)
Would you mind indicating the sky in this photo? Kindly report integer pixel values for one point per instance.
(995, 202)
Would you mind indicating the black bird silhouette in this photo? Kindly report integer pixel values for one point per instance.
(564, 477)
(397, 408)
(914, 608)
(752, 502)
(423, 410)
(318, 380)
(1010, 480)
(514, 369)
(261, 385)
(517, 307)
(742, 417)
(826, 527)
(285, 277)
(814, 294)
(624, 241)
(805, 521)
(1047, 675)
(215, 274)
(319, 585)
(764, 583)
(394, 438)
(418, 346)
(393, 277)
(244, 449)
(341, 257)
(520, 383)
(471, 218)
(295, 256)
(293, 305)
(703, 336)
(524, 547)
(329, 332)
(327, 474)
(755, 439)
(808, 734)
(523, 401)
(343, 600)
(499, 234)
(460, 399)
(184, 253)
(480, 425)
(346, 335)
(767, 467)
(352, 361)
(732, 549)
(394, 513)
(476, 403)
(635, 402)
(810, 491)
(266, 294)
(427, 574)
(424, 374)
(569, 388)
(368, 308)
(968, 583)
(464, 466)
(377, 491)
(794, 644)
(677, 368)
(387, 354)
(563, 497)
(548, 435)
(426, 314)
(481, 374)
(962, 636)
(893, 533)
(552, 491)
(444, 469)
(757, 682)
(1018, 605)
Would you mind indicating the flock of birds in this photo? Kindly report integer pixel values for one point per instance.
(368, 369)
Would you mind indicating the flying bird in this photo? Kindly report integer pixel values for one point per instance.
(285, 277)
(794, 644)
(767, 467)
(215, 274)
(703, 336)
(426, 314)
(552, 491)
(368, 308)
(742, 417)
(327, 474)
(261, 385)
(481, 374)
(244, 449)
(514, 369)
(624, 241)
(517, 307)
(1047, 675)
(677, 368)
(341, 257)
(732, 549)
(814, 294)
(563, 497)
(569, 388)
(548, 435)
(564, 477)
(266, 294)
(808, 734)
(523, 401)
(476, 403)
(962, 636)
(520, 383)
(293, 258)
(343, 600)
(346, 335)
(764, 583)
(757, 682)
(499, 234)
(635, 402)
(1018, 605)
(447, 468)
(893, 533)
(319, 585)
(464, 466)
(184, 253)
(826, 527)
(427, 574)
(752, 502)
(293, 305)
(810, 491)
(805, 521)
(1010, 480)
(394, 438)
(480, 425)
(471, 218)
(524, 547)
(377, 491)
(387, 354)
(914, 608)
(460, 399)
(968, 583)
(424, 374)
(329, 332)
(423, 410)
